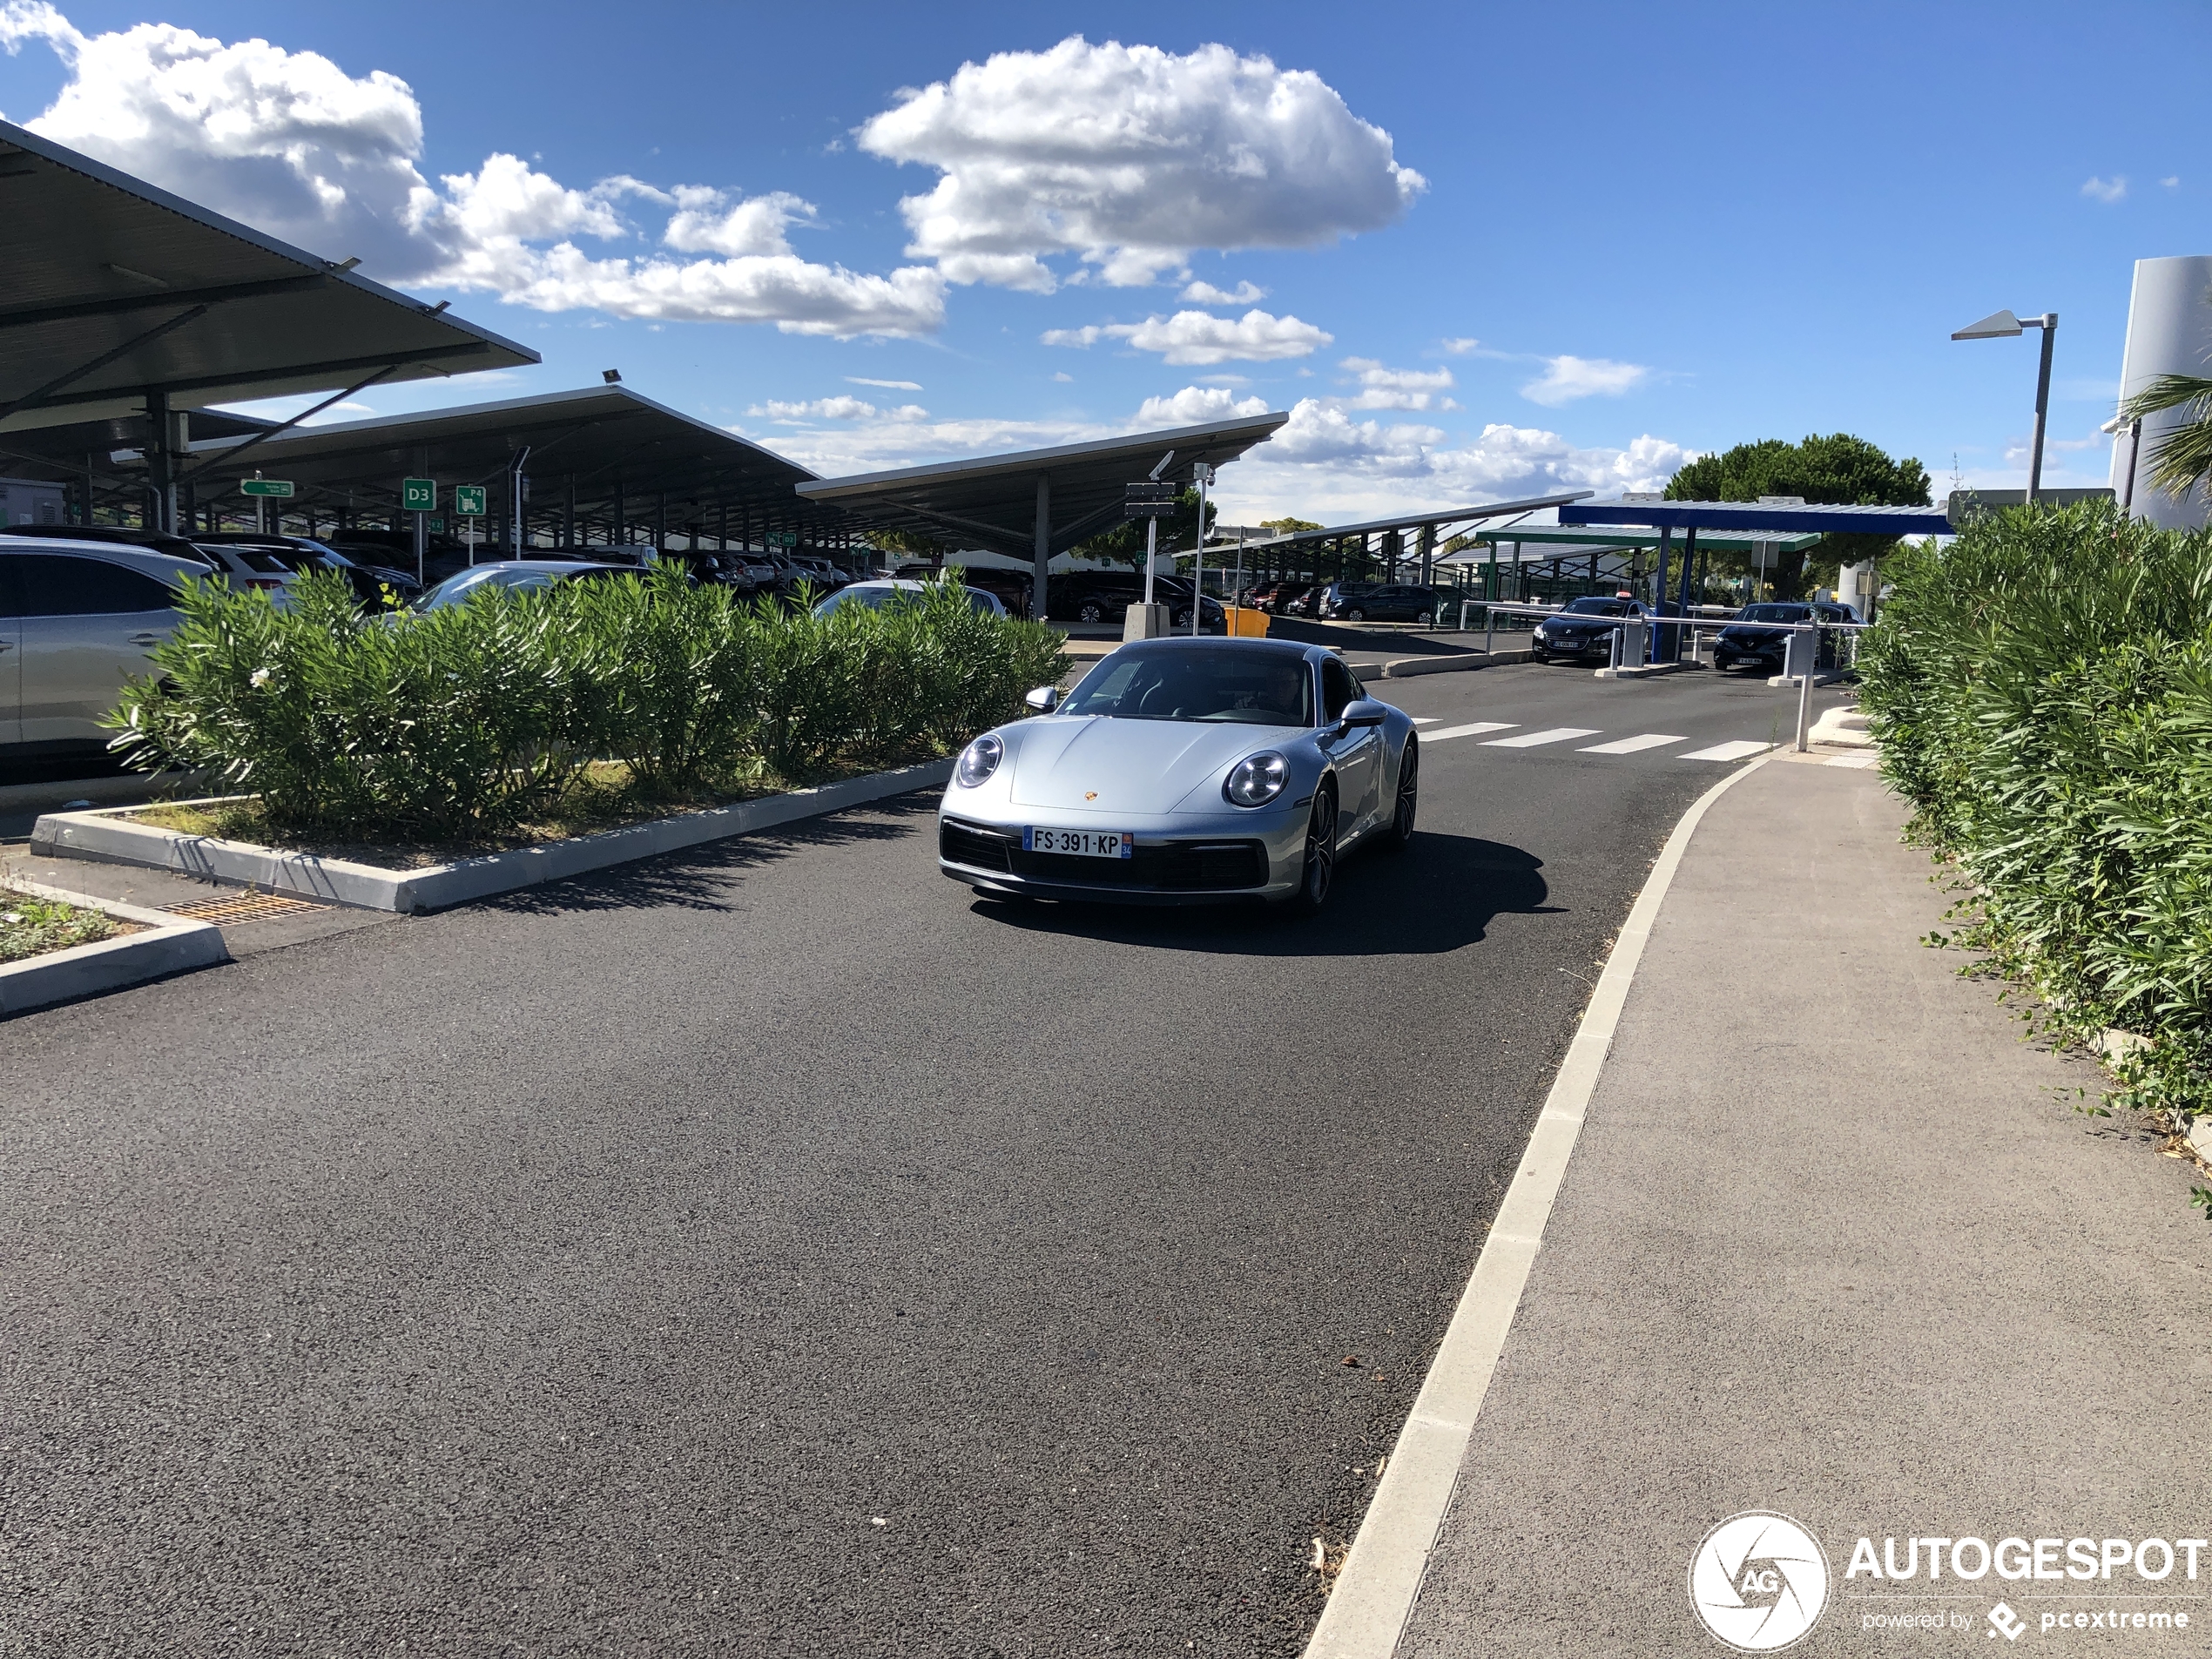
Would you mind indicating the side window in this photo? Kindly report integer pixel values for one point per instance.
(10, 597)
(66, 584)
(1339, 689)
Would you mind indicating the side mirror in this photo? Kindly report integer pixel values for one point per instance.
(1365, 711)
(1044, 699)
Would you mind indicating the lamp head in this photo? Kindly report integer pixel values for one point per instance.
(1999, 325)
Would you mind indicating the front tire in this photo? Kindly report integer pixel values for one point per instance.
(1090, 610)
(1409, 797)
(1318, 874)
(1355, 615)
(1424, 618)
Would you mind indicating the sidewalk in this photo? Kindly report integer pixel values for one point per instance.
(1833, 1244)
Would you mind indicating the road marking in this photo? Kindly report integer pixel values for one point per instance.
(1634, 746)
(1530, 739)
(1852, 760)
(1742, 748)
(1367, 1608)
(1425, 719)
(1466, 730)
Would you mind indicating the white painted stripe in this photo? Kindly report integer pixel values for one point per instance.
(1425, 719)
(1368, 1609)
(1530, 739)
(1634, 746)
(1450, 732)
(1859, 761)
(1737, 750)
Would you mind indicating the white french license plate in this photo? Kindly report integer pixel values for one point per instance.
(1087, 844)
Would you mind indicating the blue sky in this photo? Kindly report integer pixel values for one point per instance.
(1497, 249)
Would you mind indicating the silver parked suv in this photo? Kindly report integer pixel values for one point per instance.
(75, 618)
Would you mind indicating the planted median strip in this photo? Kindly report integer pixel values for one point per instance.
(524, 736)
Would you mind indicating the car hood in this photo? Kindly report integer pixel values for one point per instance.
(1103, 764)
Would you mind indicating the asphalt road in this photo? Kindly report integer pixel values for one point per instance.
(776, 1250)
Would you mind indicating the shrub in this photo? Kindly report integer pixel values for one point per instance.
(2043, 691)
(469, 721)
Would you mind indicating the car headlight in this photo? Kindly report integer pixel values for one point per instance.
(979, 760)
(1257, 779)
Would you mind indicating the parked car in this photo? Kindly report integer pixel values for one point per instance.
(1184, 771)
(1562, 635)
(1744, 643)
(248, 567)
(513, 575)
(896, 590)
(77, 618)
(1378, 602)
(303, 553)
(1092, 596)
(1275, 596)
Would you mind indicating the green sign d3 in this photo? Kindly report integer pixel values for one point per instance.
(419, 495)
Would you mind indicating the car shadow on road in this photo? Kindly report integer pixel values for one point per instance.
(1439, 895)
(700, 878)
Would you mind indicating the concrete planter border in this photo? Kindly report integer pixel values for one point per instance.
(112, 838)
(167, 945)
(1407, 668)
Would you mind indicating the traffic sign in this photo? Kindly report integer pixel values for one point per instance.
(469, 500)
(1149, 499)
(418, 495)
(437, 526)
(280, 487)
(783, 538)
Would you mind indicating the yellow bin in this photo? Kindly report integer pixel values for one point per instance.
(1246, 623)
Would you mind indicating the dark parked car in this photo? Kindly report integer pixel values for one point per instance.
(1275, 596)
(1378, 602)
(1744, 643)
(1562, 636)
(301, 553)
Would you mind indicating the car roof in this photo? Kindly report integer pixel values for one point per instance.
(151, 560)
(1216, 641)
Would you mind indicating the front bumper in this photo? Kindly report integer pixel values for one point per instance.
(1201, 858)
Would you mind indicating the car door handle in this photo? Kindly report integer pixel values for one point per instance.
(147, 639)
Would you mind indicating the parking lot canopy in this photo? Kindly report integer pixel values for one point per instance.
(1038, 503)
(599, 461)
(120, 294)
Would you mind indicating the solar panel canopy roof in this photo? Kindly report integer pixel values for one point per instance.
(117, 289)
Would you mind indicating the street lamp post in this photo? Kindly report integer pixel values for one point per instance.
(2003, 325)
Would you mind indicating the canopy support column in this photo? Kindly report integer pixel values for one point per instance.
(1040, 575)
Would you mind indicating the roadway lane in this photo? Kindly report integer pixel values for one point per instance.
(778, 1250)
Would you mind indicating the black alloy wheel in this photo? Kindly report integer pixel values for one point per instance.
(1424, 617)
(1409, 797)
(1182, 618)
(1320, 867)
(1090, 610)
(1355, 615)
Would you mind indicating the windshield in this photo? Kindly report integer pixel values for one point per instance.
(1601, 607)
(1226, 685)
(1772, 613)
(455, 589)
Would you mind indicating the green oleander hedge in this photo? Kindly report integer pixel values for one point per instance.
(2042, 690)
(466, 722)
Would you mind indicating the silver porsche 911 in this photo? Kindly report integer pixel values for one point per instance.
(1184, 771)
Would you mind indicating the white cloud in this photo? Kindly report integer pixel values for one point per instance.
(290, 143)
(1566, 379)
(1397, 389)
(1460, 345)
(1082, 339)
(1063, 377)
(889, 386)
(1194, 404)
(2106, 190)
(1200, 337)
(1129, 157)
(1204, 293)
(873, 446)
(843, 406)
(2173, 183)
(1324, 462)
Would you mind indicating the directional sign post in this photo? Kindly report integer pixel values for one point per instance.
(1149, 501)
(419, 495)
(469, 504)
(279, 488)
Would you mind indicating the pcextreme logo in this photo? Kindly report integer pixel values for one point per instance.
(1758, 1582)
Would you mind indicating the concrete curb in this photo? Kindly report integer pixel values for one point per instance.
(112, 839)
(169, 945)
(1374, 1591)
(1644, 670)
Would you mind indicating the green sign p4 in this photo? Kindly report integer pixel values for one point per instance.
(469, 500)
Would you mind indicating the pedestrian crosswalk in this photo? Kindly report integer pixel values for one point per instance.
(1740, 749)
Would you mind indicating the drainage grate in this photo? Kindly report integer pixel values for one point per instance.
(243, 907)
